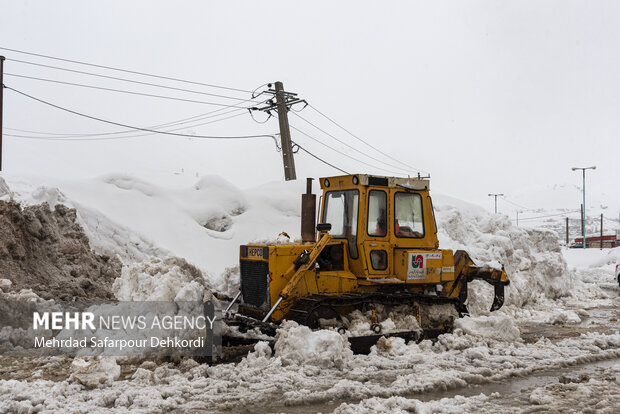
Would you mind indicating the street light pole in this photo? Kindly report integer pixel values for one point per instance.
(495, 195)
(583, 225)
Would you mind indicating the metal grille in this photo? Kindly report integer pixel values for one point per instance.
(254, 283)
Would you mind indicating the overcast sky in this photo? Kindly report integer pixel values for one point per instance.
(487, 96)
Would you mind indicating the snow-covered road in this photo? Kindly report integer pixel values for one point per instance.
(555, 355)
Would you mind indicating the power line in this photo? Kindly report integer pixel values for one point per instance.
(137, 128)
(549, 215)
(94, 137)
(320, 159)
(611, 220)
(100, 134)
(128, 80)
(340, 152)
(194, 118)
(515, 204)
(347, 145)
(122, 91)
(334, 149)
(126, 70)
(364, 141)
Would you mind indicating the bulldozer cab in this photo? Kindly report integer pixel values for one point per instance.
(379, 218)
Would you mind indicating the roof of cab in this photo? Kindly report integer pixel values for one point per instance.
(352, 180)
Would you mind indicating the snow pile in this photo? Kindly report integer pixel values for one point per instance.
(226, 202)
(297, 344)
(204, 223)
(47, 251)
(532, 258)
(106, 236)
(92, 374)
(390, 346)
(562, 317)
(5, 285)
(7, 294)
(497, 326)
(169, 279)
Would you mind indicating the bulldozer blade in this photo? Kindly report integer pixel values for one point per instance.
(498, 300)
(359, 344)
(363, 344)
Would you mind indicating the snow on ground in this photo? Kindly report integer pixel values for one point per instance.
(549, 320)
(392, 369)
(593, 258)
(587, 393)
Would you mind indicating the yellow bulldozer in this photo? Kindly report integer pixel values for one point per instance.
(375, 244)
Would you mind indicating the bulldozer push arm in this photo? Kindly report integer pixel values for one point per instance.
(303, 263)
(467, 271)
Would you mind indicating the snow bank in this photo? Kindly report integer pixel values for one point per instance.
(499, 327)
(532, 258)
(203, 223)
(297, 344)
(593, 258)
(169, 279)
(45, 250)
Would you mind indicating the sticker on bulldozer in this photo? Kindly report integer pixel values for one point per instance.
(416, 268)
(255, 252)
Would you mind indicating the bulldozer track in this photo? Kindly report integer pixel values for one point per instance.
(304, 308)
(306, 311)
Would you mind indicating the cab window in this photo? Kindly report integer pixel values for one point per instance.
(408, 219)
(377, 213)
(379, 259)
(341, 210)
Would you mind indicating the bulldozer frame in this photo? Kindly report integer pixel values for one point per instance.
(376, 244)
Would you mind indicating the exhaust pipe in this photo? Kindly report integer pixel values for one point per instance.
(308, 214)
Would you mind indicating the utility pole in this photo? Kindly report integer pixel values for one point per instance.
(1, 103)
(601, 231)
(583, 206)
(284, 101)
(583, 229)
(285, 134)
(495, 195)
(517, 218)
(567, 231)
